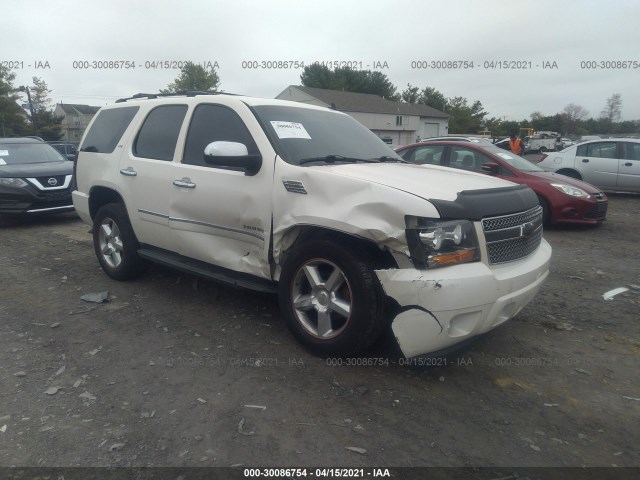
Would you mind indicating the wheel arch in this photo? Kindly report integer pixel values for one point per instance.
(100, 196)
(298, 234)
(570, 172)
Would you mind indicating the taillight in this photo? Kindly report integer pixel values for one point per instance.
(542, 157)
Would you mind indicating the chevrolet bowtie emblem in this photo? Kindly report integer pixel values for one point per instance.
(527, 229)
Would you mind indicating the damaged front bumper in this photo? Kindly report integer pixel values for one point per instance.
(441, 308)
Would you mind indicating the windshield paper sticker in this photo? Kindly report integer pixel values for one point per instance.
(506, 156)
(2, 162)
(4, 153)
(290, 130)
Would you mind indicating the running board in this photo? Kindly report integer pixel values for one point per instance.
(205, 270)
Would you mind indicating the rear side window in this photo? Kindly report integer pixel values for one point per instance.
(598, 149)
(430, 155)
(466, 159)
(631, 151)
(107, 129)
(159, 133)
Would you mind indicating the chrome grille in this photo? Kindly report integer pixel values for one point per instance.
(511, 237)
(507, 221)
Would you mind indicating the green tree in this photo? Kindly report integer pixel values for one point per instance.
(49, 126)
(502, 128)
(410, 94)
(465, 118)
(542, 122)
(349, 80)
(433, 98)
(194, 78)
(317, 75)
(12, 119)
(40, 94)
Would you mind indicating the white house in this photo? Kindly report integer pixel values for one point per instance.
(75, 120)
(394, 122)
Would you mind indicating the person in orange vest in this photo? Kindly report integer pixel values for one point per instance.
(515, 144)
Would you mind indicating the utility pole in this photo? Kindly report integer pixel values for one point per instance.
(33, 115)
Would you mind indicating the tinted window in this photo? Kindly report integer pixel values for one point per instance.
(212, 123)
(107, 129)
(430, 154)
(467, 159)
(159, 133)
(598, 149)
(631, 151)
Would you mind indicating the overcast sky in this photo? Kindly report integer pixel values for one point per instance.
(395, 32)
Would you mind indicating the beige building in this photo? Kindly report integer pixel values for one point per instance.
(394, 122)
(75, 120)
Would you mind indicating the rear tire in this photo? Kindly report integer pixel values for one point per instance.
(115, 243)
(331, 298)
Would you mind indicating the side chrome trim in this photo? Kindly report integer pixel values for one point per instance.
(51, 209)
(203, 224)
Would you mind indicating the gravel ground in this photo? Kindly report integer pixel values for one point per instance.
(176, 371)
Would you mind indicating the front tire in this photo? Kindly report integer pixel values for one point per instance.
(331, 298)
(115, 243)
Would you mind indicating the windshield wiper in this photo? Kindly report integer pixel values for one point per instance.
(336, 158)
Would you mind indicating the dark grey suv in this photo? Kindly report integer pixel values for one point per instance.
(34, 178)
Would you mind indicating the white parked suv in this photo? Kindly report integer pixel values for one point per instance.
(305, 202)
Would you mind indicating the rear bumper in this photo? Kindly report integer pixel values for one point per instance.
(441, 308)
(81, 204)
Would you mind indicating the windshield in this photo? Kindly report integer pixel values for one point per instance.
(304, 136)
(514, 160)
(21, 153)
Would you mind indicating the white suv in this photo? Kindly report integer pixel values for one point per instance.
(306, 202)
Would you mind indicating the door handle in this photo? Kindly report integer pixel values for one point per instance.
(628, 164)
(184, 182)
(585, 160)
(129, 172)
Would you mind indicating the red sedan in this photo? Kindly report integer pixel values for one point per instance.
(563, 199)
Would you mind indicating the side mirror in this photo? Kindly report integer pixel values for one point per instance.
(232, 155)
(491, 168)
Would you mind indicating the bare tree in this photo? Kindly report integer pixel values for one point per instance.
(571, 115)
(575, 112)
(613, 108)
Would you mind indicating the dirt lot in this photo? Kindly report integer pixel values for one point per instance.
(175, 371)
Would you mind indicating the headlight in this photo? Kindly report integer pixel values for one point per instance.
(569, 190)
(439, 243)
(13, 182)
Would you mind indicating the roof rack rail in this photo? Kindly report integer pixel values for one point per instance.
(185, 93)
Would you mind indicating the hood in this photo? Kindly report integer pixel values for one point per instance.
(425, 181)
(559, 178)
(36, 169)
